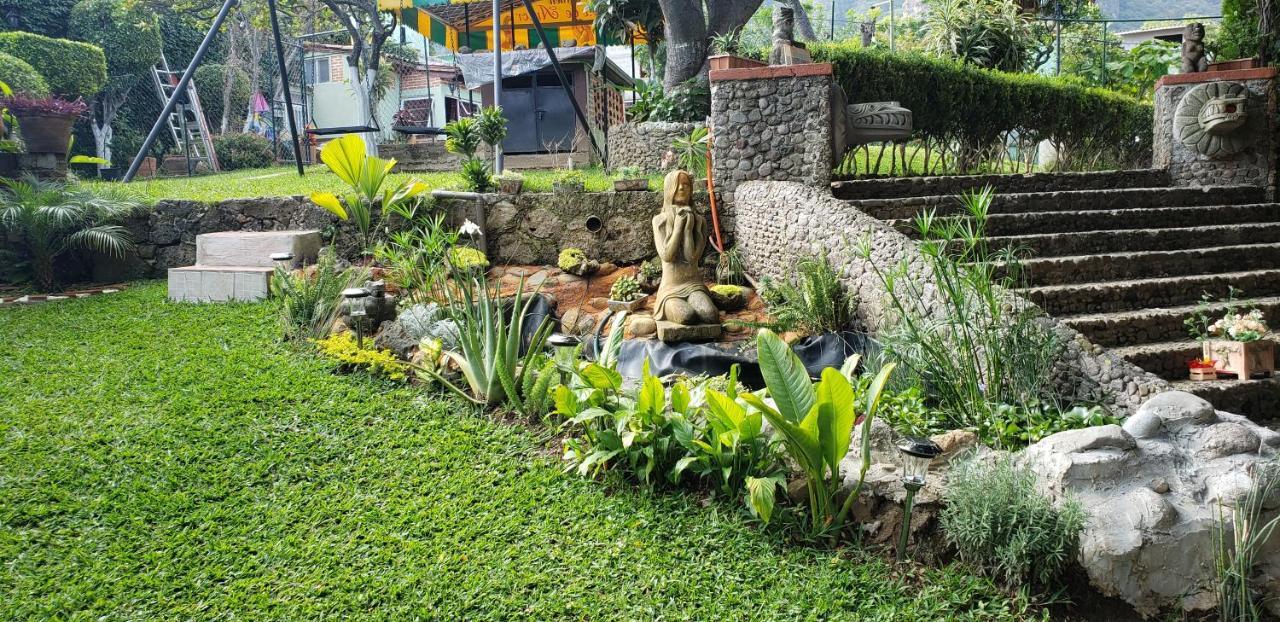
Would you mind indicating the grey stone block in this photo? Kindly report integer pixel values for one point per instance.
(254, 248)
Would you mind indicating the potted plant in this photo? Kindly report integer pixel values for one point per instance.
(570, 181)
(724, 52)
(1203, 369)
(625, 295)
(649, 276)
(1240, 341)
(630, 178)
(510, 182)
(45, 123)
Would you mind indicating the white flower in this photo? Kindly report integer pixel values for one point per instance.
(469, 228)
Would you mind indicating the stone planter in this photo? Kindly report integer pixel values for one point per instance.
(1245, 359)
(1239, 63)
(731, 61)
(630, 185)
(46, 133)
(510, 186)
(627, 305)
(568, 187)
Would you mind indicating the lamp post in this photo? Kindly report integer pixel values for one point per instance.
(917, 453)
(356, 298)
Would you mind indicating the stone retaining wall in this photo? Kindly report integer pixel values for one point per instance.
(950, 185)
(779, 223)
(421, 156)
(643, 144)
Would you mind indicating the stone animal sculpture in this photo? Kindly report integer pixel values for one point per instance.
(1193, 58)
(1211, 119)
(859, 124)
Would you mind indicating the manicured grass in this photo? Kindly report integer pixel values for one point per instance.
(162, 461)
(284, 180)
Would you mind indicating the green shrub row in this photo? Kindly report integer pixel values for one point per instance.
(71, 68)
(22, 77)
(957, 104)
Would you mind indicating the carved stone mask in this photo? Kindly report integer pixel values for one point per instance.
(1223, 115)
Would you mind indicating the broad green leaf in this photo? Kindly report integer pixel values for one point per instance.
(566, 399)
(680, 397)
(836, 416)
(330, 203)
(680, 466)
(652, 399)
(84, 159)
(761, 496)
(802, 445)
(345, 156)
(601, 377)
(785, 375)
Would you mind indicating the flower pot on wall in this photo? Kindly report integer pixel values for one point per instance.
(630, 185)
(510, 186)
(1245, 359)
(45, 132)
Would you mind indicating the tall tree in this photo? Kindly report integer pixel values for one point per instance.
(689, 26)
(130, 37)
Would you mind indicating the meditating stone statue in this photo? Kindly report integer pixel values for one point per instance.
(1193, 58)
(680, 235)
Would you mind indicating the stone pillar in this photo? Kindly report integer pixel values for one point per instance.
(1212, 147)
(771, 123)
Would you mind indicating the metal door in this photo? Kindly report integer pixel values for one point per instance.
(554, 111)
(518, 107)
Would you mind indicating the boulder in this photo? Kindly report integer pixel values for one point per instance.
(395, 337)
(1152, 489)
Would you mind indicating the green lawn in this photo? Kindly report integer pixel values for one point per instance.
(284, 180)
(164, 461)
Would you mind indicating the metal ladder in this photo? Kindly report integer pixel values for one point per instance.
(187, 123)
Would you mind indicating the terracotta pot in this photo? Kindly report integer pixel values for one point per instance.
(1239, 63)
(730, 61)
(510, 186)
(1245, 359)
(46, 133)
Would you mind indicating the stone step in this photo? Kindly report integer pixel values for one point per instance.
(1033, 182)
(254, 248)
(1125, 219)
(219, 283)
(1258, 400)
(1122, 240)
(1132, 328)
(1167, 359)
(1068, 201)
(1128, 295)
(1150, 264)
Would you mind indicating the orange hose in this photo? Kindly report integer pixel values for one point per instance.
(718, 241)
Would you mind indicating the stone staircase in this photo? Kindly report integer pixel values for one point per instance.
(1122, 257)
(237, 265)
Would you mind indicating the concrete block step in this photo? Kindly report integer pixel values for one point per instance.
(1069, 201)
(1129, 295)
(1150, 264)
(1129, 240)
(1258, 400)
(254, 248)
(1104, 220)
(1167, 359)
(1142, 326)
(1032, 182)
(219, 283)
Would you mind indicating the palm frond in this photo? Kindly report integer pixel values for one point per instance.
(112, 240)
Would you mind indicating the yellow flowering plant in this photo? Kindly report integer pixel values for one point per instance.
(342, 347)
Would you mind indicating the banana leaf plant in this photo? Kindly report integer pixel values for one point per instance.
(816, 422)
(370, 187)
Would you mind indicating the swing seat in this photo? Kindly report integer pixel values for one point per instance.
(349, 129)
(418, 130)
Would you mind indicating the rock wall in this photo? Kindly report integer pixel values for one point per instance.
(771, 123)
(777, 223)
(1254, 165)
(532, 228)
(643, 144)
(421, 156)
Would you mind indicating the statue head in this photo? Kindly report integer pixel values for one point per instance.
(1193, 32)
(677, 189)
(1224, 114)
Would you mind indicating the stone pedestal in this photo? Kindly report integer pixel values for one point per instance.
(1245, 155)
(771, 123)
(672, 332)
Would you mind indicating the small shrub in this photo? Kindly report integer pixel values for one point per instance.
(630, 172)
(729, 268)
(462, 137)
(72, 69)
(1004, 526)
(651, 268)
(692, 151)
(625, 289)
(466, 259)
(728, 291)
(815, 301)
(342, 347)
(311, 300)
(687, 103)
(476, 176)
(491, 126)
(430, 321)
(21, 77)
(569, 181)
(571, 259)
(239, 151)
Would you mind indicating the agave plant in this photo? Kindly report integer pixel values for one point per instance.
(48, 219)
(370, 188)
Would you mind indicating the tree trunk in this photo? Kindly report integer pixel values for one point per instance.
(109, 104)
(233, 59)
(362, 87)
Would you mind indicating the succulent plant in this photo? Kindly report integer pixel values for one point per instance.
(625, 289)
(570, 259)
(467, 258)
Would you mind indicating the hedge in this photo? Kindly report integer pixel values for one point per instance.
(21, 77)
(72, 69)
(210, 79)
(237, 151)
(968, 109)
(46, 17)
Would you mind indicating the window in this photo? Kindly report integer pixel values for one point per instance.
(316, 69)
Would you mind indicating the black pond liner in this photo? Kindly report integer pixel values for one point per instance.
(817, 352)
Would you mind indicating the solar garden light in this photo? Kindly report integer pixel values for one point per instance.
(281, 260)
(356, 299)
(917, 453)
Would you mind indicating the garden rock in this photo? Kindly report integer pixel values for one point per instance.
(641, 326)
(393, 336)
(1152, 490)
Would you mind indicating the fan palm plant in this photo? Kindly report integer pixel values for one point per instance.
(47, 219)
